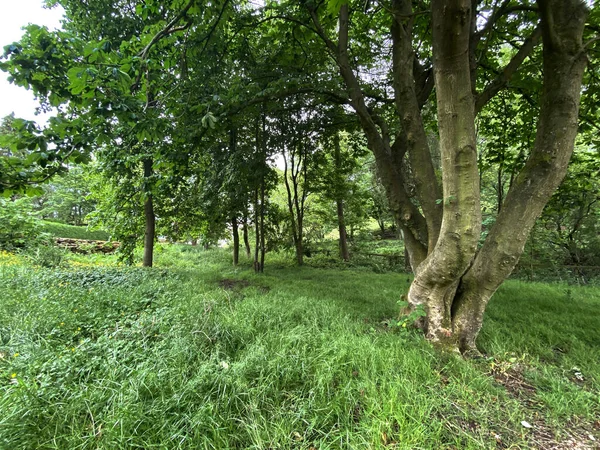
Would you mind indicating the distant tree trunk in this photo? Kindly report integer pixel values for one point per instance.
(236, 241)
(150, 219)
(344, 254)
(246, 239)
(257, 264)
(262, 226)
(295, 177)
(337, 158)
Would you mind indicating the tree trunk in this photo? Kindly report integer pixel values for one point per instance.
(150, 219)
(344, 254)
(388, 157)
(236, 241)
(564, 62)
(409, 110)
(461, 225)
(295, 198)
(246, 239)
(257, 230)
(339, 194)
(262, 226)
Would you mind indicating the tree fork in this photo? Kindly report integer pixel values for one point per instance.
(564, 63)
(461, 224)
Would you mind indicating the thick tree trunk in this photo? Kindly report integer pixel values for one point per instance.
(150, 219)
(461, 225)
(236, 241)
(563, 66)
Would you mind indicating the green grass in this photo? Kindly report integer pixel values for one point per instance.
(63, 230)
(197, 354)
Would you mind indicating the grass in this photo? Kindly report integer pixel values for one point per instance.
(62, 230)
(196, 354)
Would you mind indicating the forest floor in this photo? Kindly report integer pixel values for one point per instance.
(197, 354)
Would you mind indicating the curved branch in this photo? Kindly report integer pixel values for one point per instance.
(169, 29)
(504, 77)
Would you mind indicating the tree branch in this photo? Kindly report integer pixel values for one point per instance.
(168, 29)
(504, 77)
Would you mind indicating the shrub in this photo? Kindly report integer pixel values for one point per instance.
(48, 255)
(19, 227)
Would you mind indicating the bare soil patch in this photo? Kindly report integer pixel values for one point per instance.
(573, 436)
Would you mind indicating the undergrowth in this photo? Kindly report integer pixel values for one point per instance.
(197, 354)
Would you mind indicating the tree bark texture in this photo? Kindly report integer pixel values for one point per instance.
(150, 219)
(461, 224)
(409, 111)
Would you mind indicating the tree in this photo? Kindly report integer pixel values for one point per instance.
(66, 197)
(454, 279)
(156, 92)
(114, 82)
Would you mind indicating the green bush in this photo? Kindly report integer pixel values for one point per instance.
(48, 255)
(19, 227)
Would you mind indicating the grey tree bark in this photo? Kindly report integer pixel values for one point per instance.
(461, 225)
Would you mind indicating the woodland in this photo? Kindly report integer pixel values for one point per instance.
(303, 224)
